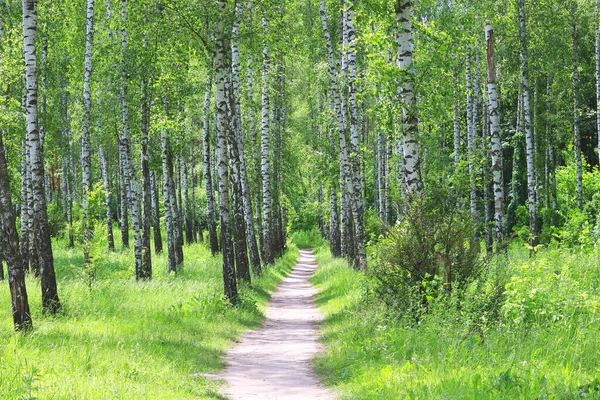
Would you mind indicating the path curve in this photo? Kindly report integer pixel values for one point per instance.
(274, 361)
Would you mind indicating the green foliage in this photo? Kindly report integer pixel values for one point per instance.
(127, 339)
(433, 248)
(513, 332)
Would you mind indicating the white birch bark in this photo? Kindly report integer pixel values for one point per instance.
(360, 261)
(86, 155)
(268, 255)
(471, 132)
(496, 135)
(108, 214)
(413, 186)
(224, 110)
(41, 236)
(531, 182)
(243, 170)
(146, 192)
(131, 184)
(208, 182)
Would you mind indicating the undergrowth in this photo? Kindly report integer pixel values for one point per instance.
(525, 329)
(122, 339)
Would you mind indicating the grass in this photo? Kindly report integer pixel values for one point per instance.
(122, 339)
(307, 239)
(544, 344)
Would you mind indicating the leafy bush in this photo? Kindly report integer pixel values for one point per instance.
(432, 248)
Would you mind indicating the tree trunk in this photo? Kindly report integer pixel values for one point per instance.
(576, 110)
(10, 245)
(133, 198)
(187, 220)
(210, 198)
(41, 236)
(86, 151)
(496, 135)
(360, 260)
(104, 171)
(243, 169)
(334, 230)
(123, 206)
(267, 250)
(26, 233)
(158, 246)
(552, 195)
(146, 266)
(531, 181)
(174, 234)
(224, 109)
(413, 185)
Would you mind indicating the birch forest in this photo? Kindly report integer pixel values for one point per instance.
(162, 163)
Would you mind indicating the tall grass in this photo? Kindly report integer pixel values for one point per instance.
(122, 339)
(311, 239)
(524, 354)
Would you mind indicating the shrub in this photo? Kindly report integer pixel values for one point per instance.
(432, 249)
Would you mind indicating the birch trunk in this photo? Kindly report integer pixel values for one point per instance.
(267, 250)
(26, 232)
(41, 236)
(158, 246)
(496, 135)
(255, 151)
(531, 181)
(10, 245)
(86, 178)
(576, 110)
(210, 199)
(146, 262)
(413, 186)
(360, 261)
(174, 235)
(133, 199)
(338, 107)
(224, 110)
(334, 230)
(471, 132)
(243, 169)
(123, 207)
(552, 195)
(108, 214)
(187, 220)
(456, 123)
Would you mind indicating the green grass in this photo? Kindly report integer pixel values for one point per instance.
(124, 339)
(311, 239)
(546, 348)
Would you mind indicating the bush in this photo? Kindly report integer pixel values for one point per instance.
(432, 249)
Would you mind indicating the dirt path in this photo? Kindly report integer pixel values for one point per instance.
(274, 361)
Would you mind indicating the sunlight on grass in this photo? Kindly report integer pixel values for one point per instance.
(371, 354)
(124, 339)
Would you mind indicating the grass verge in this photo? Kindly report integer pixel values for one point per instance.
(122, 339)
(534, 352)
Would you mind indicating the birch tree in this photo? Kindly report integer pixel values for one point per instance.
(108, 213)
(222, 63)
(210, 198)
(86, 155)
(531, 188)
(495, 134)
(10, 245)
(576, 108)
(413, 186)
(267, 250)
(41, 234)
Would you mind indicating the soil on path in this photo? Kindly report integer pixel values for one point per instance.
(274, 361)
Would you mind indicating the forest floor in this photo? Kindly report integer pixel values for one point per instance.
(274, 361)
